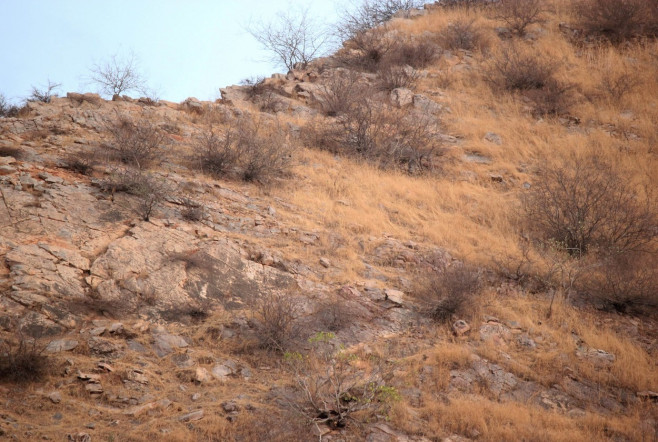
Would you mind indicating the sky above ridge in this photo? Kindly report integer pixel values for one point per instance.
(185, 48)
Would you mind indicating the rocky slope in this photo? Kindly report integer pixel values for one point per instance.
(157, 328)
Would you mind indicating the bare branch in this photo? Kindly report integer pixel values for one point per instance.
(118, 75)
(292, 39)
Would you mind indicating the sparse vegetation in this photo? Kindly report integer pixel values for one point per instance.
(463, 34)
(519, 14)
(585, 204)
(7, 109)
(513, 191)
(615, 20)
(23, 361)
(275, 319)
(330, 389)
(449, 293)
(137, 143)
(293, 39)
(368, 14)
(118, 75)
(518, 69)
(216, 156)
(45, 94)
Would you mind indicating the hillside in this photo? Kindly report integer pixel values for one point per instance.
(356, 250)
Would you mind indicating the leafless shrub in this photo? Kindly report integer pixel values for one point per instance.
(370, 47)
(118, 75)
(137, 143)
(392, 77)
(275, 320)
(515, 69)
(45, 94)
(150, 189)
(194, 259)
(449, 292)
(463, 34)
(519, 14)
(264, 152)
(625, 283)
(23, 361)
(192, 211)
(341, 93)
(417, 53)
(334, 315)
(81, 162)
(7, 110)
(216, 155)
(465, 4)
(369, 14)
(553, 99)
(615, 20)
(585, 203)
(616, 84)
(384, 136)
(330, 388)
(255, 87)
(293, 39)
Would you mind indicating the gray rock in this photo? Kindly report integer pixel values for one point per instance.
(60, 345)
(55, 397)
(136, 346)
(493, 137)
(401, 97)
(221, 372)
(166, 343)
(460, 328)
(191, 417)
(395, 296)
(7, 170)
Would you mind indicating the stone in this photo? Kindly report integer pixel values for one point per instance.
(78, 437)
(494, 332)
(493, 137)
(136, 346)
(103, 347)
(401, 97)
(648, 395)
(426, 105)
(395, 296)
(182, 360)
(191, 417)
(60, 345)
(138, 376)
(141, 409)
(106, 367)
(230, 406)
(324, 262)
(599, 357)
(460, 328)
(7, 170)
(221, 372)
(117, 327)
(201, 376)
(55, 397)
(165, 344)
(94, 388)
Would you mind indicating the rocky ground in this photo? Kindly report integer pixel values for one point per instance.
(151, 327)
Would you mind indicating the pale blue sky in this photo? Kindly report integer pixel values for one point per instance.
(185, 47)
